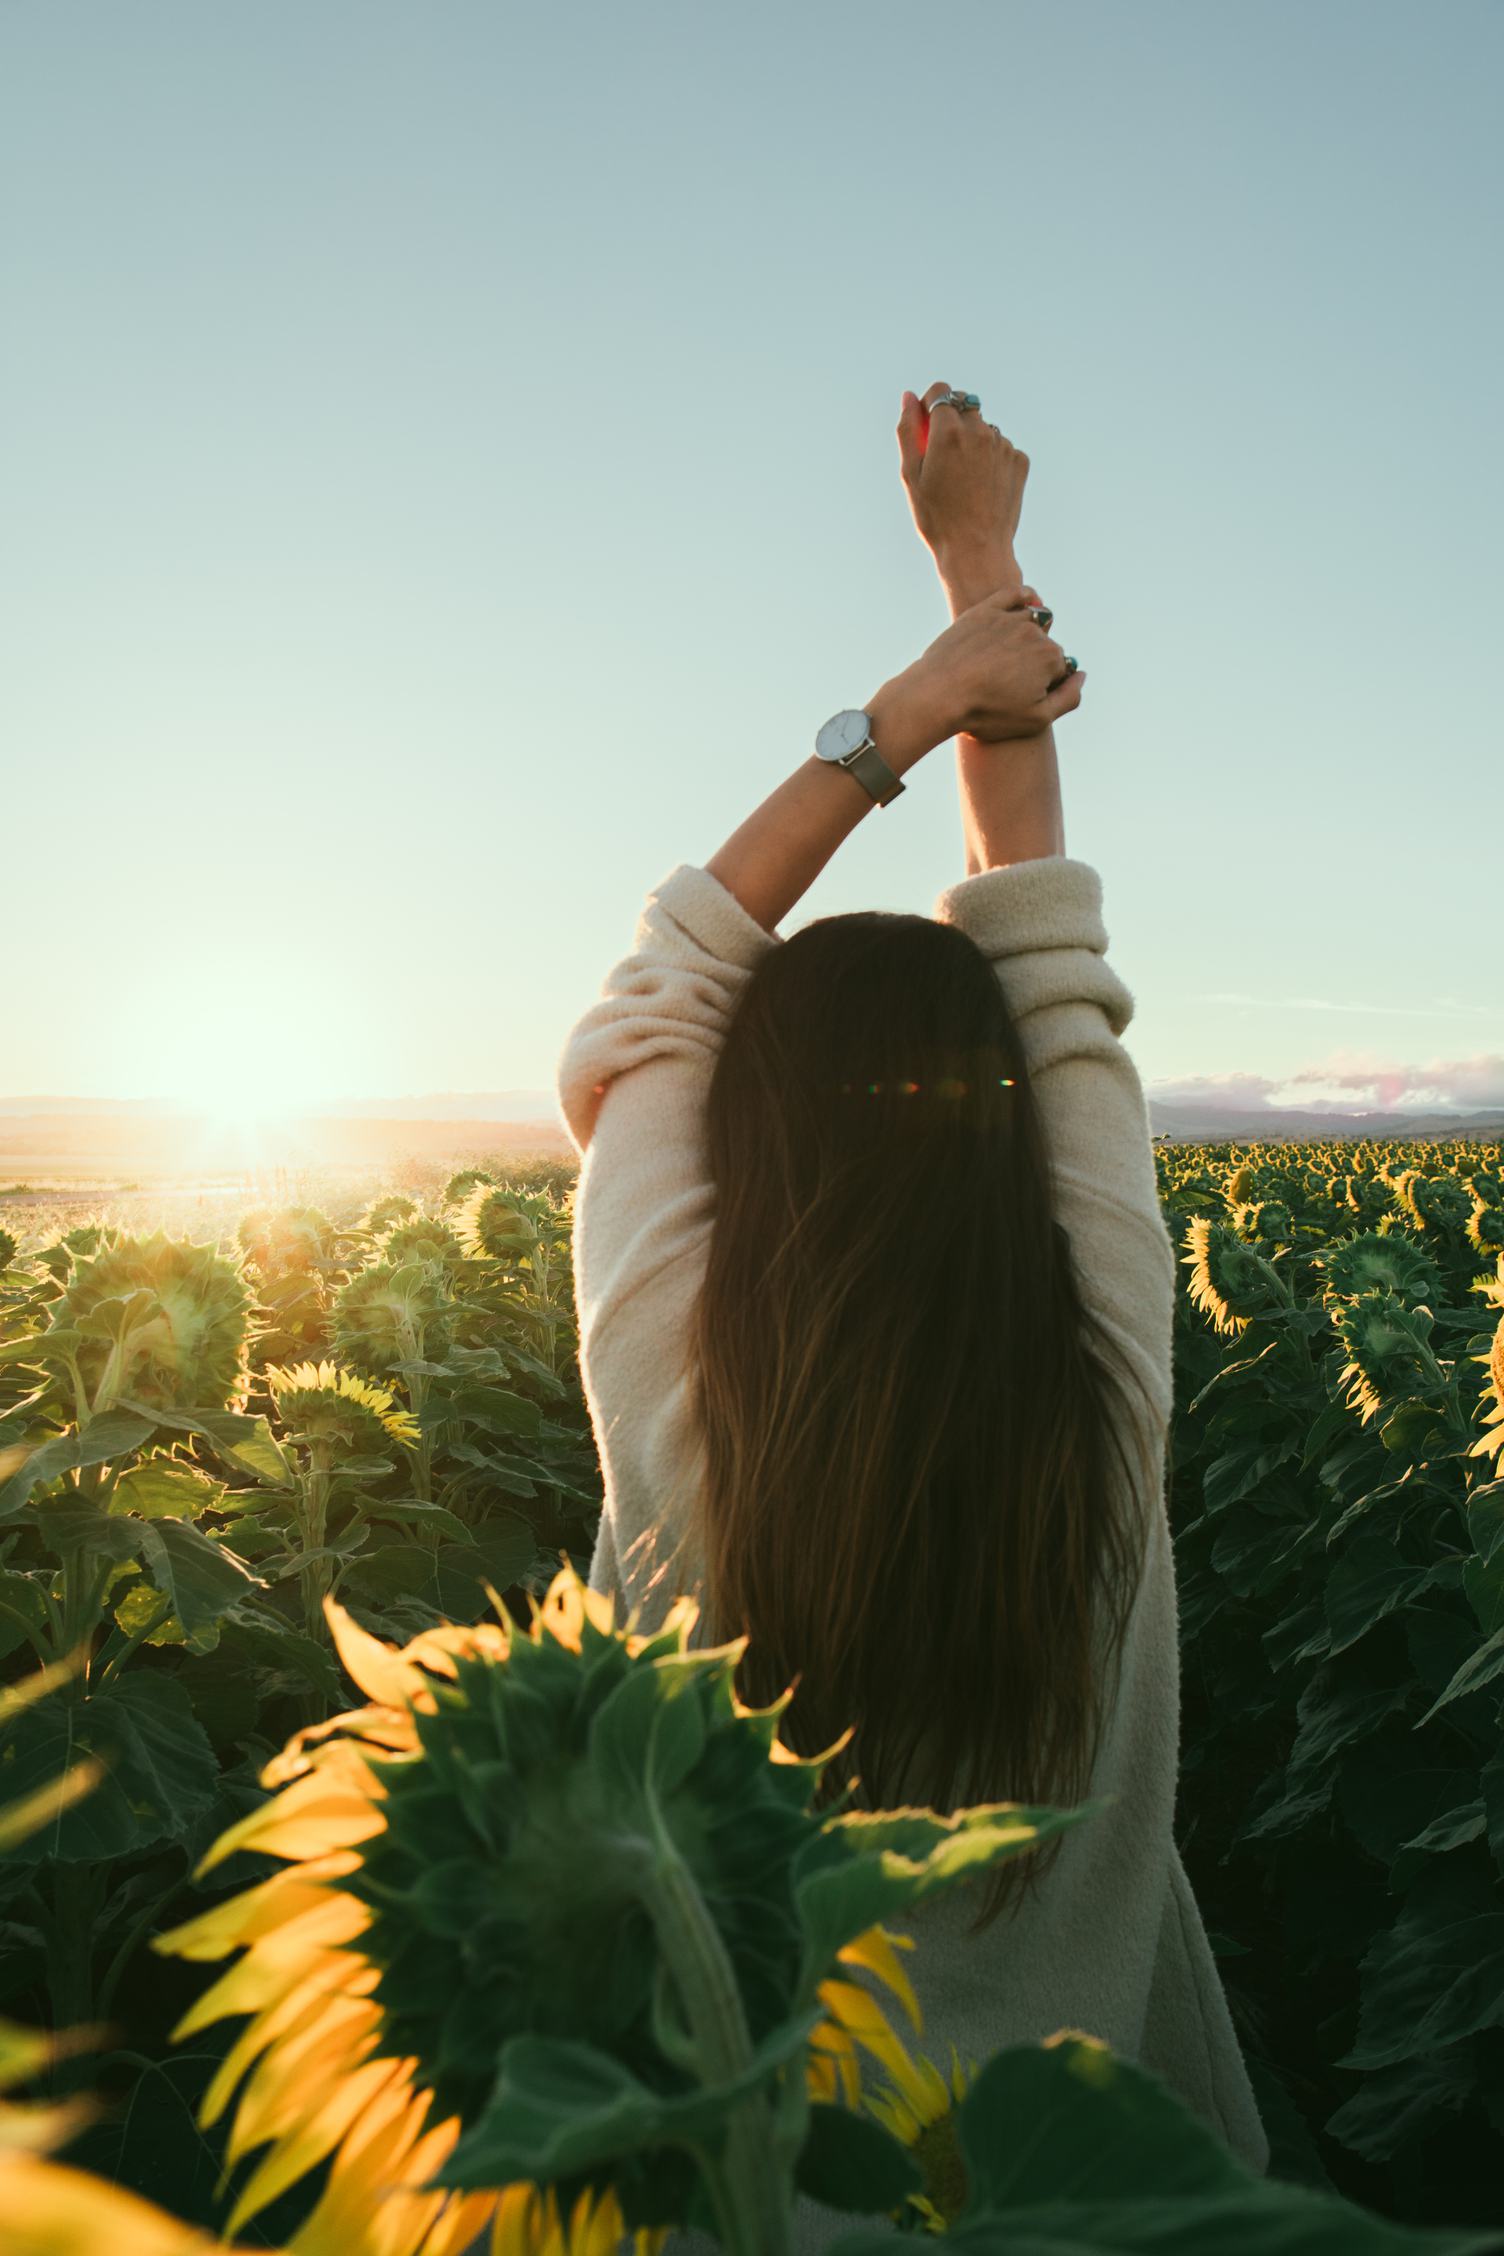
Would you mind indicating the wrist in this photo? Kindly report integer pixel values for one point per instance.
(906, 721)
(969, 575)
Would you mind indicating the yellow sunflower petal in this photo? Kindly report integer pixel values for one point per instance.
(305, 2062)
(265, 1974)
(51, 2210)
(373, 2203)
(255, 1911)
(307, 2006)
(378, 1668)
(318, 2133)
(876, 1952)
(857, 2011)
(307, 1819)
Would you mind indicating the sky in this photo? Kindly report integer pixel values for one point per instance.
(451, 473)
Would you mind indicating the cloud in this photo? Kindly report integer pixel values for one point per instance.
(1347, 1081)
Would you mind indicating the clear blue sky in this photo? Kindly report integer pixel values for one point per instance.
(450, 475)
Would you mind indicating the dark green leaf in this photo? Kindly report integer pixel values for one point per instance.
(849, 2161)
(160, 1769)
(201, 1577)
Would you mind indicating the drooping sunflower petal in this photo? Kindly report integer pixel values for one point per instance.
(319, 1812)
(266, 1974)
(373, 2203)
(259, 1910)
(858, 2011)
(52, 2210)
(317, 2134)
(875, 1950)
(306, 2006)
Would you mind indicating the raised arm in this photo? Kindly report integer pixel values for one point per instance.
(966, 494)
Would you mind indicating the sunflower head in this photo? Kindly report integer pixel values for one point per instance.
(495, 1225)
(459, 1187)
(1268, 1221)
(1485, 1226)
(318, 1402)
(60, 1260)
(541, 1897)
(919, 2107)
(1239, 1185)
(1378, 1262)
(392, 1313)
(1230, 1282)
(161, 1320)
(421, 1239)
(279, 1239)
(1387, 1344)
(1438, 1203)
(379, 1216)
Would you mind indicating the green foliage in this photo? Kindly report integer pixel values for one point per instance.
(1337, 1522)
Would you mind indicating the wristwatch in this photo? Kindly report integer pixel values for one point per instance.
(846, 741)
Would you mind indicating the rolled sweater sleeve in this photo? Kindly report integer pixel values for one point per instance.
(1040, 925)
(632, 1082)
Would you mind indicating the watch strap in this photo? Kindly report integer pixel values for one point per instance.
(872, 771)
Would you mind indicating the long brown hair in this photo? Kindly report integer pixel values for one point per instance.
(906, 1502)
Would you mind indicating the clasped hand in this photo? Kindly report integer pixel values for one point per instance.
(995, 674)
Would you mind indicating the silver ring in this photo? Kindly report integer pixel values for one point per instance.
(960, 400)
(1041, 617)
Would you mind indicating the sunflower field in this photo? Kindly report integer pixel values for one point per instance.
(532, 1940)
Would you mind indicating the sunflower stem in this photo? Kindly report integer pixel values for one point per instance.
(749, 2190)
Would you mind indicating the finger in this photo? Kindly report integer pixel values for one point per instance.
(1064, 697)
(910, 439)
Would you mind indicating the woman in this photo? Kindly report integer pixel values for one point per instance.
(875, 1308)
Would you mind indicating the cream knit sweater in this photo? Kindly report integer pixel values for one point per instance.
(1115, 1944)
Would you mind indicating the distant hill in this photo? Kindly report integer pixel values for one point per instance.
(1205, 1124)
(1176, 1119)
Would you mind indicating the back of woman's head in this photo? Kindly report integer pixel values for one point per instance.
(907, 1505)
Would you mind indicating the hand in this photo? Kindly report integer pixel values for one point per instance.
(965, 484)
(996, 674)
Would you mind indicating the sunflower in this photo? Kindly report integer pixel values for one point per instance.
(319, 1402)
(1389, 1358)
(461, 1893)
(421, 1239)
(1370, 1262)
(459, 1187)
(495, 1224)
(393, 1313)
(158, 1320)
(919, 2108)
(396, 1206)
(1229, 1280)
(1489, 1444)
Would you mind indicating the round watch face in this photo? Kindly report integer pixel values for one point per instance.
(842, 734)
